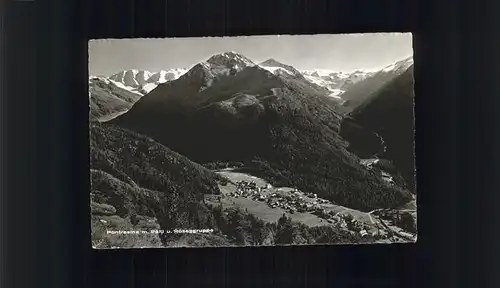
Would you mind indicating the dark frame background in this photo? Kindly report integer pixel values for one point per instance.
(45, 213)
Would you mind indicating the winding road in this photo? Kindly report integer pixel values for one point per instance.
(382, 141)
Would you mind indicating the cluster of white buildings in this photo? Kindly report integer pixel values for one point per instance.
(301, 202)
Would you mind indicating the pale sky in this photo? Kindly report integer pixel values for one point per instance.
(338, 52)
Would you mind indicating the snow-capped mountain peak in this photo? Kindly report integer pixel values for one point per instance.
(323, 73)
(399, 66)
(166, 75)
(143, 81)
(271, 62)
(127, 77)
(99, 79)
(335, 81)
(276, 67)
(230, 60)
(222, 64)
(143, 76)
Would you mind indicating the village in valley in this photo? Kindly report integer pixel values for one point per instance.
(256, 196)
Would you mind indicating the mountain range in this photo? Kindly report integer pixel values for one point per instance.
(363, 83)
(144, 81)
(336, 82)
(276, 122)
(159, 147)
(362, 91)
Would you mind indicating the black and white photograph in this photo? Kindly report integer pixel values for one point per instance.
(252, 141)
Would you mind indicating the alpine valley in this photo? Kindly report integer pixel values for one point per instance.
(258, 153)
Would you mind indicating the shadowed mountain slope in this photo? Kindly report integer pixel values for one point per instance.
(107, 98)
(390, 114)
(363, 90)
(283, 127)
